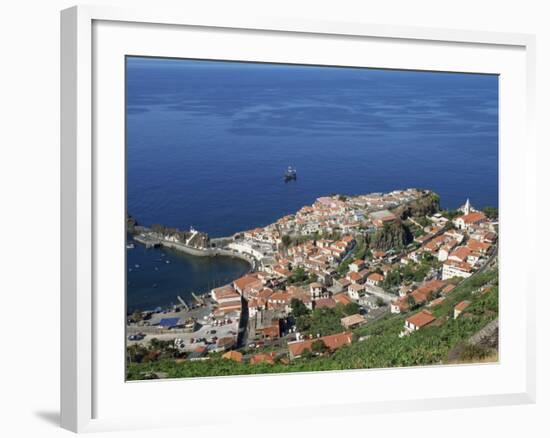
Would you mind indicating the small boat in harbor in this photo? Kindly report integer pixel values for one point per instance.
(130, 246)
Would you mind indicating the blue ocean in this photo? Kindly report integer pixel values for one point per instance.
(208, 142)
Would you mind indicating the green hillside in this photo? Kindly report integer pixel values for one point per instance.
(379, 347)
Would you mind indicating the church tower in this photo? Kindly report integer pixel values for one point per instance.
(467, 207)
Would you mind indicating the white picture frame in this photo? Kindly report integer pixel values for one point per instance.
(84, 379)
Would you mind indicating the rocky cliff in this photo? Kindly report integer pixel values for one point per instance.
(425, 205)
(393, 235)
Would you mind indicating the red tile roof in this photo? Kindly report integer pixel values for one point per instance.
(263, 357)
(462, 305)
(437, 301)
(233, 304)
(474, 217)
(463, 266)
(425, 291)
(233, 355)
(342, 298)
(462, 253)
(476, 245)
(273, 331)
(402, 303)
(349, 321)
(256, 303)
(265, 293)
(225, 292)
(448, 289)
(279, 296)
(332, 342)
(325, 302)
(242, 282)
(375, 276)
(296, 290)
(344, 282)
(421, 319)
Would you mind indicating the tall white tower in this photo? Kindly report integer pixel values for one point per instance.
(467, 207)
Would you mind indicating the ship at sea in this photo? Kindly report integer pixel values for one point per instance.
(290, 174)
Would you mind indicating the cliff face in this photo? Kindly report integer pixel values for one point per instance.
(200, 240)
(393, 235)
(426, 205)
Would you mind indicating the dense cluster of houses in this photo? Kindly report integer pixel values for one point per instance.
(425, 317)
(461, 246)
(461, 249)
(328, 214)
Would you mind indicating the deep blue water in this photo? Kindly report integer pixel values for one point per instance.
(208, 142)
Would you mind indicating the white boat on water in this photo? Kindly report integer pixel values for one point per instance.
(130, 246)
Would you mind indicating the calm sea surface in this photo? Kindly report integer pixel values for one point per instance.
(208, 143)
(157, 276)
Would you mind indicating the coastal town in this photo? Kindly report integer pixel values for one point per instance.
(327, 278)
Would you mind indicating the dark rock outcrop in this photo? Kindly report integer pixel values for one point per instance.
(394, 235)
(424, 206)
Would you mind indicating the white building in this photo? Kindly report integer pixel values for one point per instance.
(469, 221)
(443, 254)
(247, 247)
(356, 291)
(224, 294)
(455, 269)
(357, 266)
(375, 279)
(416, 322)
(317, 290)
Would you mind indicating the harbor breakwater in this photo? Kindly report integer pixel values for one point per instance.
(209, 252)
(194, 251)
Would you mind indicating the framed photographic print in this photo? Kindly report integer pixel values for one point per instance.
(249, 206)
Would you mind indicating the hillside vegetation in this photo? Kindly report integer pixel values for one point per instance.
(380, 346)
(424, 206)
(394, 235)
